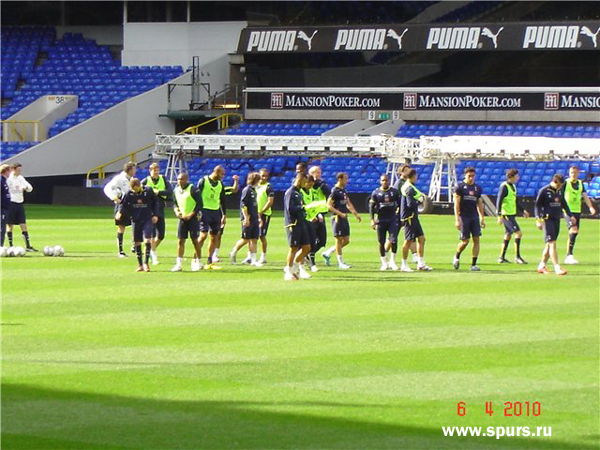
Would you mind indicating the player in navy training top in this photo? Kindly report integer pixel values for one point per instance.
(402, 177)
(250, 220)
(469, 216)
(409, 214)
(383, 207)
(549, 206)
(294, 217)
(141, 205)
(5, 201)
(340, 205)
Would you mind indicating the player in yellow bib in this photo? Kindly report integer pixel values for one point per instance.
(574, 192)
(507, 203)
(213, 211)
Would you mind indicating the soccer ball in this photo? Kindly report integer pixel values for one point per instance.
(48, 251)
(10, 252)
(3, 252)
(19, 251)
(58, 250)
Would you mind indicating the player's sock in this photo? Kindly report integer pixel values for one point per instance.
(148, 250)
(557, 268)
(572, 237)
(179, 261)
(383, 259)
(120, 241)
(311, 258)
(404, 262)
(26, 237)
(474, 261)
(421, 261)
(329, 251)
(138, 252)
(340, 259)
(518, 246)
(541, 265)
(393, 257)
(10, 238)
(215, 253)
(263, 257)
(504, 247)
(252, 258)
(209, 259)
(295, 267)
(394, 248)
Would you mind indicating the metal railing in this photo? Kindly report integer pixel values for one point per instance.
(223, 121)
(21, 130)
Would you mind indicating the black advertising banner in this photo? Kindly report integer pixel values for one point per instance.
(425, 101)
(423, 38)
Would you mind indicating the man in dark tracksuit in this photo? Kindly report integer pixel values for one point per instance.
(5, 199)
(549, 206)
(295, 225)
(163, 190)
(141, 205)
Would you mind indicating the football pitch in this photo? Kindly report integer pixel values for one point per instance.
(96, 356)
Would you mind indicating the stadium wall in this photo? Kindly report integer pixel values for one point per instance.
(174, 44)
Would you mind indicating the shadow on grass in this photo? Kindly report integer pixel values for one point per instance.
(42, 419)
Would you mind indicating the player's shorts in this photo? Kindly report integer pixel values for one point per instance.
(297, 235)
(412, 229)
(388, 227)
(341, 227)
(252, 231)
(577, 220)
(125, 219)
(211, 221)
(551, 229)
(158, 230)
(470, 226)
(266, 220)
(16, 214)
(188, 227)
(141, 230)
(510, 224)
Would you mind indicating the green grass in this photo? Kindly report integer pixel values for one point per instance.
(97, 356)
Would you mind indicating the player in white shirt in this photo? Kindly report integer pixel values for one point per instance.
(17, 185)
(116, 189)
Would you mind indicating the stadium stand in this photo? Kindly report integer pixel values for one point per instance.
(281, 129)
(74, 66)
(412, 130)
(364, 172)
